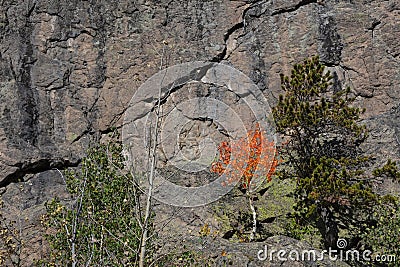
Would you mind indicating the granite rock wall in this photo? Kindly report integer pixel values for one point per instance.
(69, 68)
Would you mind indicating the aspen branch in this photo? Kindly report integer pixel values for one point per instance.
(145, 229)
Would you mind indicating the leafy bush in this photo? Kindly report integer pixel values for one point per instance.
(10, 241)
(383, 238)
(102, 226)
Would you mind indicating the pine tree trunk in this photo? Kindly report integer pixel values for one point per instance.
(330, 231)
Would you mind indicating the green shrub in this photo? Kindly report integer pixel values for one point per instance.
(383, 238)
(101, 227)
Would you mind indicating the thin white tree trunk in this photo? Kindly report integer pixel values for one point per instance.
(149, 192)
(145, 230)
(254, 213)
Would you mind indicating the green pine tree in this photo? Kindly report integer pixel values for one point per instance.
(321, 151)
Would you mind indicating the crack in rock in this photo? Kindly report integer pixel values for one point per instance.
(35, 167)
(295, 7)
(221, 56)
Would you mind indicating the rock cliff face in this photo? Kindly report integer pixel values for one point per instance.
(68, 70)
